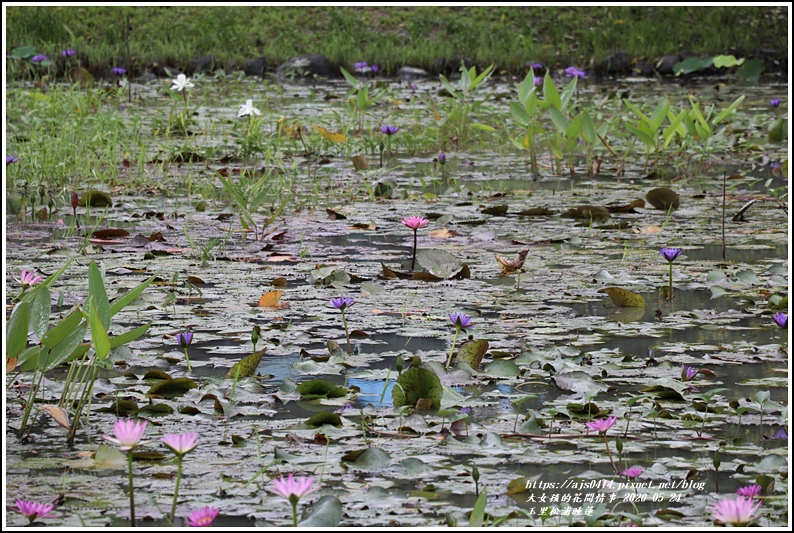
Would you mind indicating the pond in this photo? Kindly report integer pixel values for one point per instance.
(224, 216)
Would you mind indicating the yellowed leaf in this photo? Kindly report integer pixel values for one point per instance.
(360, 162)
(270, 299)
(443, 233)
(11, 364)
(330, 135)
(57, 414)
(624, 297)
(650, 230)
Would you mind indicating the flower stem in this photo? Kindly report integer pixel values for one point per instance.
(606, 442)
(188, 361)
(454, 341)
(347, 335)
(132, 492)
(294, 513)
(176, 489)
(670, 290)
(413, 255)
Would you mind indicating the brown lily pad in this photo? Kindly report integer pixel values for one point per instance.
(587, 212)
(663, 198)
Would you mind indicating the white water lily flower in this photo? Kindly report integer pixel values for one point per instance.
(248, 109)
(181, 83)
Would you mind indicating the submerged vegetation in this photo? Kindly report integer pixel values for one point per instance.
(159, 232)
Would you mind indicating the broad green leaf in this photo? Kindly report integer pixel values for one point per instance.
(728, 110)
(675, 126)
(526, 86)
(417, 383)
(246, 366)
(588, 128)
(350, 78)
(550, 93)
(558, 120)
(648, 139)
(520, 115)
(723, 61)
(482, 78)
(478, 511)
(40, 312)
(369, 458)
(63, 329)
(326, 513)
(128, 336)
(639, 113)
(473, 352)
(575, 128)
(692, 64)
(449, 87)
(659, 114)
(17, 330)
(568, 93)
(99, 297)
(170, 387)
(482, 127)
(120, 303)
(99, 335)
(60, 353)
(751, 70)
(320, 388)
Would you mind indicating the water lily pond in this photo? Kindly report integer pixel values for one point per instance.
(567, 371)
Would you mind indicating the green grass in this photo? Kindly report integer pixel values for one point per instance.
(395, 36)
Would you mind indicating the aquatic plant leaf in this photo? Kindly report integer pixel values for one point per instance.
(587, 212)
(577, 381)
(270, 299)
(373, 288)
(320, 388)
(107, 457)
(473, 352)
(360, 162)
(330, 135)
(536, 212)
(246, 366)
(329, 275)
(40, 309)
(624, 297)
(169, 387)
(495, 210)
(95, 198)
(502, 368)
(325, 512)
(368, 458)
(417, 383)
(441, 264)
(157, 409)
(59, 415)
(320, 419)
(518, 486)
(99, 335)
(478, 511)
(663, 198)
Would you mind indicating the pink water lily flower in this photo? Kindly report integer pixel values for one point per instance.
(202, 517)
(33, 510)
(181, 444)
(128, 433)
(415, 223)
(28, 279)
(291, 487)
(632, 472)
(749, 491)
(737, 511)
(602, 424)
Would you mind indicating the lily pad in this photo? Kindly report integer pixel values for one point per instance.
(473, 352)
(368, 458)
(663, 198)
(325, 512)
(170, 387)
(440, 263)
(415, 384)
(587, 212)
(624, 297)
(246, 366)
(320, 388)
(320, 419)
(95, 198)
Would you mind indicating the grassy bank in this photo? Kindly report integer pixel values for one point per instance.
(392, 37)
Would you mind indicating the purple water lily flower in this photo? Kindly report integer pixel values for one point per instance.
(360, 65)
(120, 71)
(781, 434)
(11, 159)
(442, 158)
(537, 66)
(465, 411)
(538, 80)
(575, 72)
(69, 52)
(38, 58)
(460, 320)
(341, 303)
(374, 68)
(781, 319)
(774, 102)
(389, 130)
(184, 339)
(670, 253)
(687, 372)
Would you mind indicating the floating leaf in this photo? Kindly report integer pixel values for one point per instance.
(169, 387)
(110, 232)
(536, 212)
(473, 352)
(320, 419)
(417, 383)
(443, 233)
(325, 513)
(495, 210)
(502, 368)
(247, 366)
(663, 198)
(320, 388)
(156, 374)
(331, 136)
(95, 199)
(577, 381)
(587, 212)
(270, 299)
(360, 162)
(624, 297)
(370, 458)
(441, 264)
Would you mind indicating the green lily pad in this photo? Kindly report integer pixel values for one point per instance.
(320, 388)
(246, 366)
(320, 419)
(95, 198)
(663, 198)
(325, 512)
(439, 263)
(473, 352)
(374, 458)
(587, 212)
(415, 384)
(171, 387)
